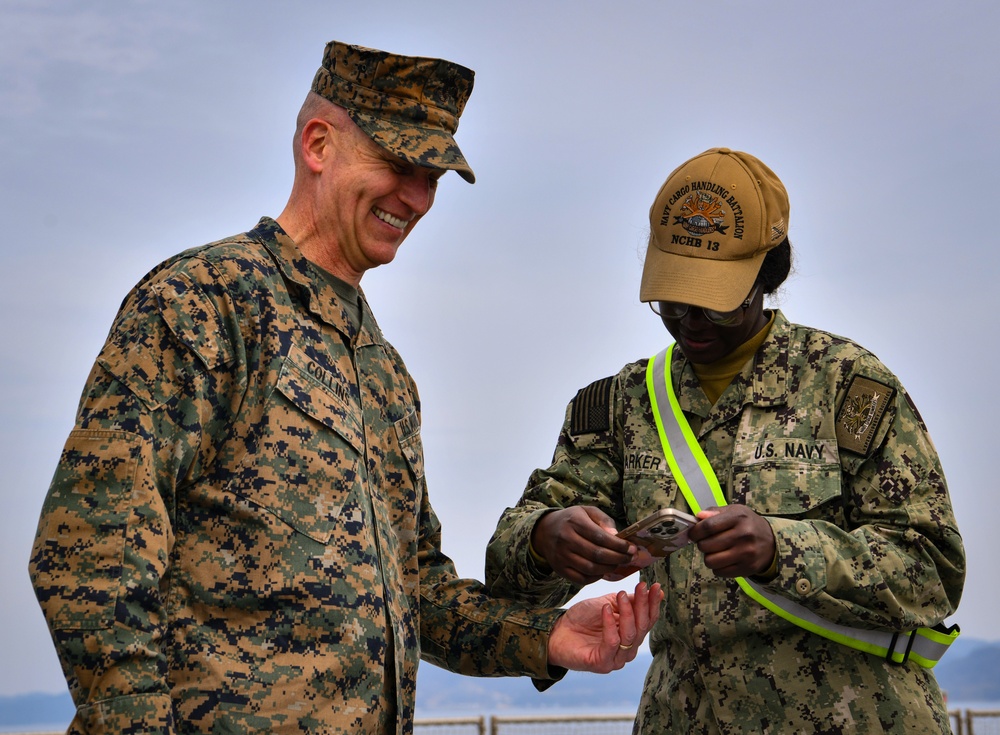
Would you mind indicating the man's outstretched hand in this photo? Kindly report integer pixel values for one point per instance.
(603, 634)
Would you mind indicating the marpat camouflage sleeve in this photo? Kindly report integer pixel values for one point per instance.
(154, 402)
(238, 536)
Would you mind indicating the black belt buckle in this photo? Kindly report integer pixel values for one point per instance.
(911, 636)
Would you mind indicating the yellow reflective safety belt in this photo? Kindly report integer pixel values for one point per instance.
(697, 481)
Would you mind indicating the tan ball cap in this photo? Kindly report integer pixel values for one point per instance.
(712, 223)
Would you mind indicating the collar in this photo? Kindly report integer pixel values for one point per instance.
(769, 374)
(320, 298)
(763, 381)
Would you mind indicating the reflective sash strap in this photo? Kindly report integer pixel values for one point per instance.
(700, 487)
(691, 469)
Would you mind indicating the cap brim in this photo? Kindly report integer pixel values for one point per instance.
(427, 147)
(721, 285)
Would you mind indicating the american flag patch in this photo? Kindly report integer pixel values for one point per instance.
(591, 410)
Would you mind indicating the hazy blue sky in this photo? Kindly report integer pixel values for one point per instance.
(132, 130)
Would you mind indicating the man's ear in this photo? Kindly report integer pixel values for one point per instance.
(317, 144)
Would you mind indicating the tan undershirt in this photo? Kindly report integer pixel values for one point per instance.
(349, 298)
(716, 376)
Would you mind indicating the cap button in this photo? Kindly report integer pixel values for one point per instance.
(725, 150)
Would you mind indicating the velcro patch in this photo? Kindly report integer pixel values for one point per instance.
(591, 411)
(861, 412)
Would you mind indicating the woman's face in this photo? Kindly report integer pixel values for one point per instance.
(704, 341)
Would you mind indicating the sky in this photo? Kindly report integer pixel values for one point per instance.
(131, 131)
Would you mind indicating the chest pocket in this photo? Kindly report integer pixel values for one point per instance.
(408, 435)
(795, 478)
(647, 483)
(305, 463)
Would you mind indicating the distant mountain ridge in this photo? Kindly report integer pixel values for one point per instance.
(27, 710)
(969, 673)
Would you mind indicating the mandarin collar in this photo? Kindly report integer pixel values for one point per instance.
(764, 378)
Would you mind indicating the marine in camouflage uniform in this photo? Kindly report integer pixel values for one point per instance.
(238, 536)
(817, 436)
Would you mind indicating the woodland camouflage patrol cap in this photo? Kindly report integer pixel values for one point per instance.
(409, 105)
(712, 223)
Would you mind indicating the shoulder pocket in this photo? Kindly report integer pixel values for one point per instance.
(194, 319)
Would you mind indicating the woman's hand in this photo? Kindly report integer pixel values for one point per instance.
(581, 545)
(736, 541)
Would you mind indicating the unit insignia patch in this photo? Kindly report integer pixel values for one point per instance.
(861, 412)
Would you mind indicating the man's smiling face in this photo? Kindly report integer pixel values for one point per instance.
(372, 200)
